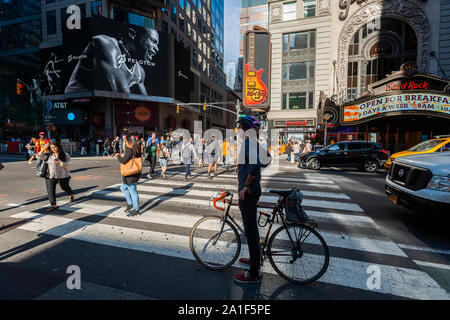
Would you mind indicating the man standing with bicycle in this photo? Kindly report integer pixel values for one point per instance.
(249, 178)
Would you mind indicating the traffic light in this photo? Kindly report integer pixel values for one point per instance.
(19, 88)
(204, 106)
(178, 108)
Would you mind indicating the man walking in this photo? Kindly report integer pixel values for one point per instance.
(249, 179)
(225, 154)
(152, 145)
(212, 151)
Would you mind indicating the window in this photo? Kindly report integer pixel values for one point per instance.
(96, 8)
(312, 39)
(299, 40)
(353, 49)
(142, 21)
(356, 146)
(173, 13)
(289, 11)
(51, 22)
(297, 101)
(311, 100)
(181, 3)
(309, 8)
(298, 70)
(445, 148)
(336, 147)
(284, 71)
(164, 26)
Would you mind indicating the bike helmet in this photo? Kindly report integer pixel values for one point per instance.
(248, 122)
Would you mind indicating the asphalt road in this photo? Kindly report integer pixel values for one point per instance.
(147, 257)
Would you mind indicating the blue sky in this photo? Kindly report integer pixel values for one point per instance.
(231, 30)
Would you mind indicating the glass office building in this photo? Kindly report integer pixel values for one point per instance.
(20, 36)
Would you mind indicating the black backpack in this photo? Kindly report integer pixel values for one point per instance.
(293, 207)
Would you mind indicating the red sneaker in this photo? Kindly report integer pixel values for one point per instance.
(247, 278)
(244, 261)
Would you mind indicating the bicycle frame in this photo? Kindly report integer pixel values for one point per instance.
(271, 218)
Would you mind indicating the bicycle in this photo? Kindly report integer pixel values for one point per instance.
(216, 243)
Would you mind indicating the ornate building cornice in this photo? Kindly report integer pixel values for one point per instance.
(407, 11)
(345, 5)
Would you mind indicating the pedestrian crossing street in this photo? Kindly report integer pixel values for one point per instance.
(171, 207)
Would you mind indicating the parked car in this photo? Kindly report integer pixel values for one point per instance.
(439, 144)
(420, 179)
(367, 156)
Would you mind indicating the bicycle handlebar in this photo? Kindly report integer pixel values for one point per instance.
(222, 197)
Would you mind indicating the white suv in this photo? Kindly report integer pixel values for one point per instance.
(422, 179)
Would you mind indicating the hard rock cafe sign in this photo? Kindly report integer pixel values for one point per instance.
(345, 5)
(402, 93)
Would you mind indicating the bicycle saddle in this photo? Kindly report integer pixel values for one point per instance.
(283, 193)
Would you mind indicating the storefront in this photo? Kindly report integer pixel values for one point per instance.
(135, 117)
(399, 111)
(300, 129)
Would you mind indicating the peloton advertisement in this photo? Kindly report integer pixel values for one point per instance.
(110, 58)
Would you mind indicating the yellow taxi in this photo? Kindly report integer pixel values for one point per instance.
(439, 144)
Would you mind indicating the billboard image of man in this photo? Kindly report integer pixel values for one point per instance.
(52, 74)
(117, 64)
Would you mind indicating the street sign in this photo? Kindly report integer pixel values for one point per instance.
(256, 78)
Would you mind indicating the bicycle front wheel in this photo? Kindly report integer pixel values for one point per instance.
(303, 261)
(215, 243)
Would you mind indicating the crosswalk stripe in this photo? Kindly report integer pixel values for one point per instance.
(397, 281)
(174, 219)
(200, 183)
(333, 239)
(190, 186)
(179, 200)
(263, 177)
(432, 265)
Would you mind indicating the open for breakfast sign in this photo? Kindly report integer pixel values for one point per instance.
(438, 104)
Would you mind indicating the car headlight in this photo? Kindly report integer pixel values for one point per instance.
(439, 183)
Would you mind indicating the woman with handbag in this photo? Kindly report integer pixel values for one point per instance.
(57, 172)
(131, 169)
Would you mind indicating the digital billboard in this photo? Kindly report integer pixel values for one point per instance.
(108, 58)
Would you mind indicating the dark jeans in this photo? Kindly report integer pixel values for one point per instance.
(188, 167)
(51, 188)
(152, 160)
(249, 212)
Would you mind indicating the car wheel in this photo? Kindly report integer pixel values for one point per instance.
(314, 164)
(370, 165)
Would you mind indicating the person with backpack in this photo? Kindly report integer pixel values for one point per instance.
(249, 190)
(152, 145)
(187, 153)
(129, 181)
(163, 155)
(212, 153)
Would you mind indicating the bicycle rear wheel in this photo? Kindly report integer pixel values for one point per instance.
(215, 243)
(303, 263)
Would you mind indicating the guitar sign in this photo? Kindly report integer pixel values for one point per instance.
(256, 92)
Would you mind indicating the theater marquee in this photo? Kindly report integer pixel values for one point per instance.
(406, 92)
(419, 103)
